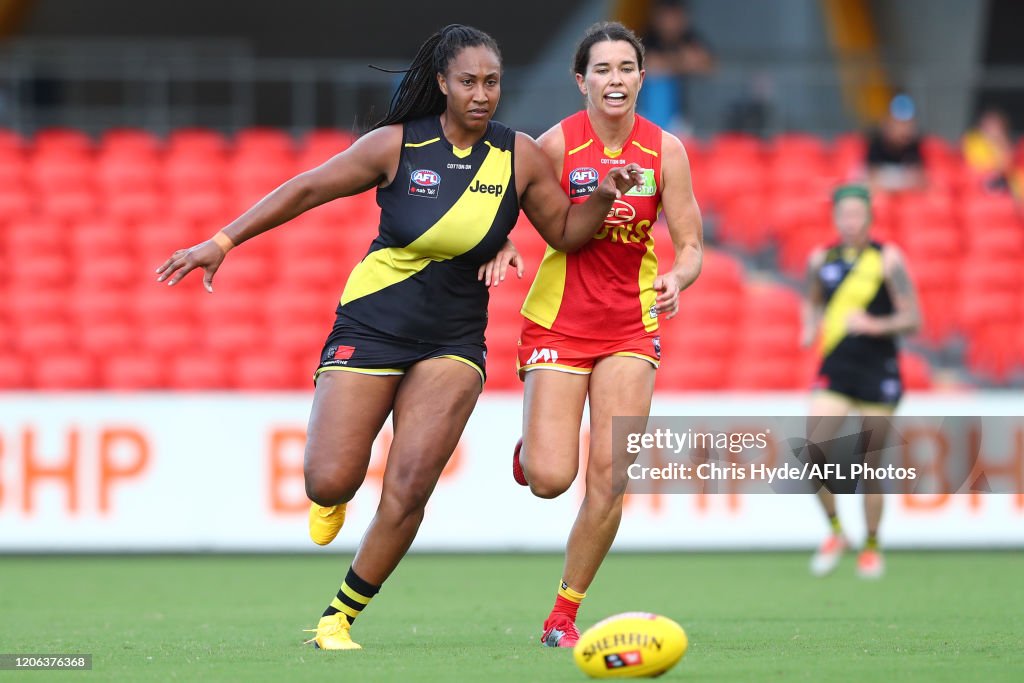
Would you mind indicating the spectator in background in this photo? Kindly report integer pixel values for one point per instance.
(894, 158)
(988, 151)
(673, 51)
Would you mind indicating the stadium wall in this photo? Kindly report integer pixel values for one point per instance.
(223, 472)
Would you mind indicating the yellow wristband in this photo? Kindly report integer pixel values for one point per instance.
(223, 241)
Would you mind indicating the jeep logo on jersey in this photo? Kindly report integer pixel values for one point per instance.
(582, 181)
(486, 189)
(424, 183)
(620, 213)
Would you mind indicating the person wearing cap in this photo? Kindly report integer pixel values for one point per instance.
(859, 300)
(894, 158)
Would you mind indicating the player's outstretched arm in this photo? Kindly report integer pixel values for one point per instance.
(563, 225)
(684, 226)
(370, 161)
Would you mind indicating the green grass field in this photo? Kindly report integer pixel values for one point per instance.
(749, 617)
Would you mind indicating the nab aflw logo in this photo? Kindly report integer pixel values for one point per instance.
(543, 356)
(424, 183)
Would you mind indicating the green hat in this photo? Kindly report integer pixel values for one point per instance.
(859, 191)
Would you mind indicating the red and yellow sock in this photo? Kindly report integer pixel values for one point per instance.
(567, 602)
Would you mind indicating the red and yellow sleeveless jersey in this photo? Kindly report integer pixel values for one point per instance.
(606, 289)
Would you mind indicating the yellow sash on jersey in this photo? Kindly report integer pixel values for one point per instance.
(854, 293)
(460, 229)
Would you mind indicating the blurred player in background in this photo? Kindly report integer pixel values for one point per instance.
(591, 318)
(409, 335)
(860, 297)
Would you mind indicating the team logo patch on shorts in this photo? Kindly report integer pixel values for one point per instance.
(337, 355)
(657, 347)
(582, 181)
(424, 183)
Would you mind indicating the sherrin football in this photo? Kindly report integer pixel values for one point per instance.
(630, 645)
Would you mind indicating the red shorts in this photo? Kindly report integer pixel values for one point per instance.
(540, 347)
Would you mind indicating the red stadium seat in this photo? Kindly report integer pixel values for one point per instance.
(744, 221)
(135, 174)
(286, 306)
(89, 305)
(13, 172)
(56, 175)
(135, 206)
(196, 141)
(771, 305)
(682, 373)
(41, 269)
(981, 308)
(14, 371)
(16, 203)
(697, 342)
(991, 276)
(130, 141)
(315, 272)
(46, 337)
(133, 373)
(69, 370)
(998, 242)
(234, 337)
(766, 374)
(264, 140)
(187, 174)
(276, 373)
(69, 205)
(915, 371)
(11, 141)
(113, 270)
(206, 206)
(107, 337)
(303, 340)
(27, 304)
(168, 337)
(215, 309)
(994, 353)
(198, 371)
(62, 140)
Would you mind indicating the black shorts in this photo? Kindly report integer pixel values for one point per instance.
(354, 347)
(878, 382)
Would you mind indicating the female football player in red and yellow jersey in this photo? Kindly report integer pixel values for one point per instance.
(591, 317)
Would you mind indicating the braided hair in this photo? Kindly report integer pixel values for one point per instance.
(418, 94)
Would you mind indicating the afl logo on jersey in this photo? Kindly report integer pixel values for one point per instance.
(620, 213)
(582, 181)
(424, 183)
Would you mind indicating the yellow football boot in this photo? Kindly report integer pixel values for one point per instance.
(325, 522)
(333, 633)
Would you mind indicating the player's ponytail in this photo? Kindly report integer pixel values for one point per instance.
(418, 94)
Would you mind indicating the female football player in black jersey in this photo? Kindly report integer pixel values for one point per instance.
(409, 334)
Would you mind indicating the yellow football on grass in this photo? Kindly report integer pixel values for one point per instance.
(630, 645)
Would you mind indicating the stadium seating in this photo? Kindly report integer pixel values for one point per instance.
(84, 221)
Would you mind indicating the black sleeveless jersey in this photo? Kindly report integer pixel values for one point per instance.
(853, 281)
(447, 212)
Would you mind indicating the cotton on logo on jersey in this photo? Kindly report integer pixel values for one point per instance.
(424, 183)
(582, 181)
(543, 356)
